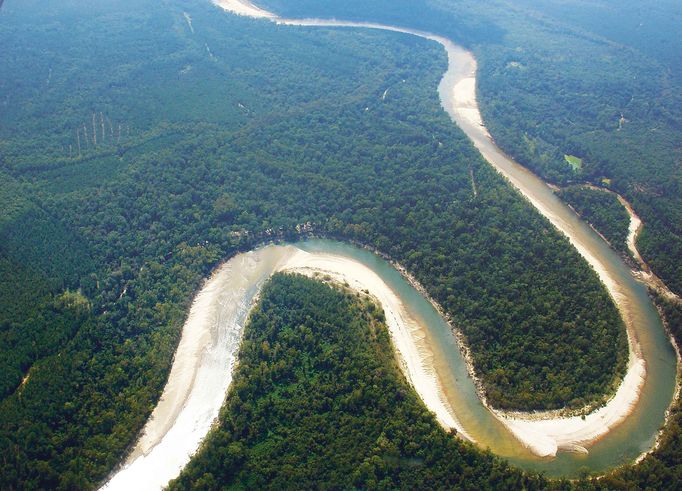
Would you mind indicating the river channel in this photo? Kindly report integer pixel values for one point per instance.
(622, 444)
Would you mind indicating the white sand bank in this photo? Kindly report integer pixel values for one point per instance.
(200, 375)
(646, 274)
(464, 98)
(633, 229)
(544, 437)
(244, 8)
(205, 359)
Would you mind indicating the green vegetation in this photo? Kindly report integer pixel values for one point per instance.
(35, 319)
(33, 323)
(318, 401)
(602, 210)
(576, 163)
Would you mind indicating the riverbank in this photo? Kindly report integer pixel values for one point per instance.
(642, 271)
(645, 274)
(546, 436)
(640, 268)
(547, 432)
(204, 363)
(200, 376)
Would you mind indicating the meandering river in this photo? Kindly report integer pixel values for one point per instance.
(453, 397)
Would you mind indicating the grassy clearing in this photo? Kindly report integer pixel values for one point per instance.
(575, 162)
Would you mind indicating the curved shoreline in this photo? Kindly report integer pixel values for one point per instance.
(406, 331)
(198, 382)
(541, 432)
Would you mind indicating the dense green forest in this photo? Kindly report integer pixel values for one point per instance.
(602, 210)
(161, 137)
(37, 311)
(615, 101)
